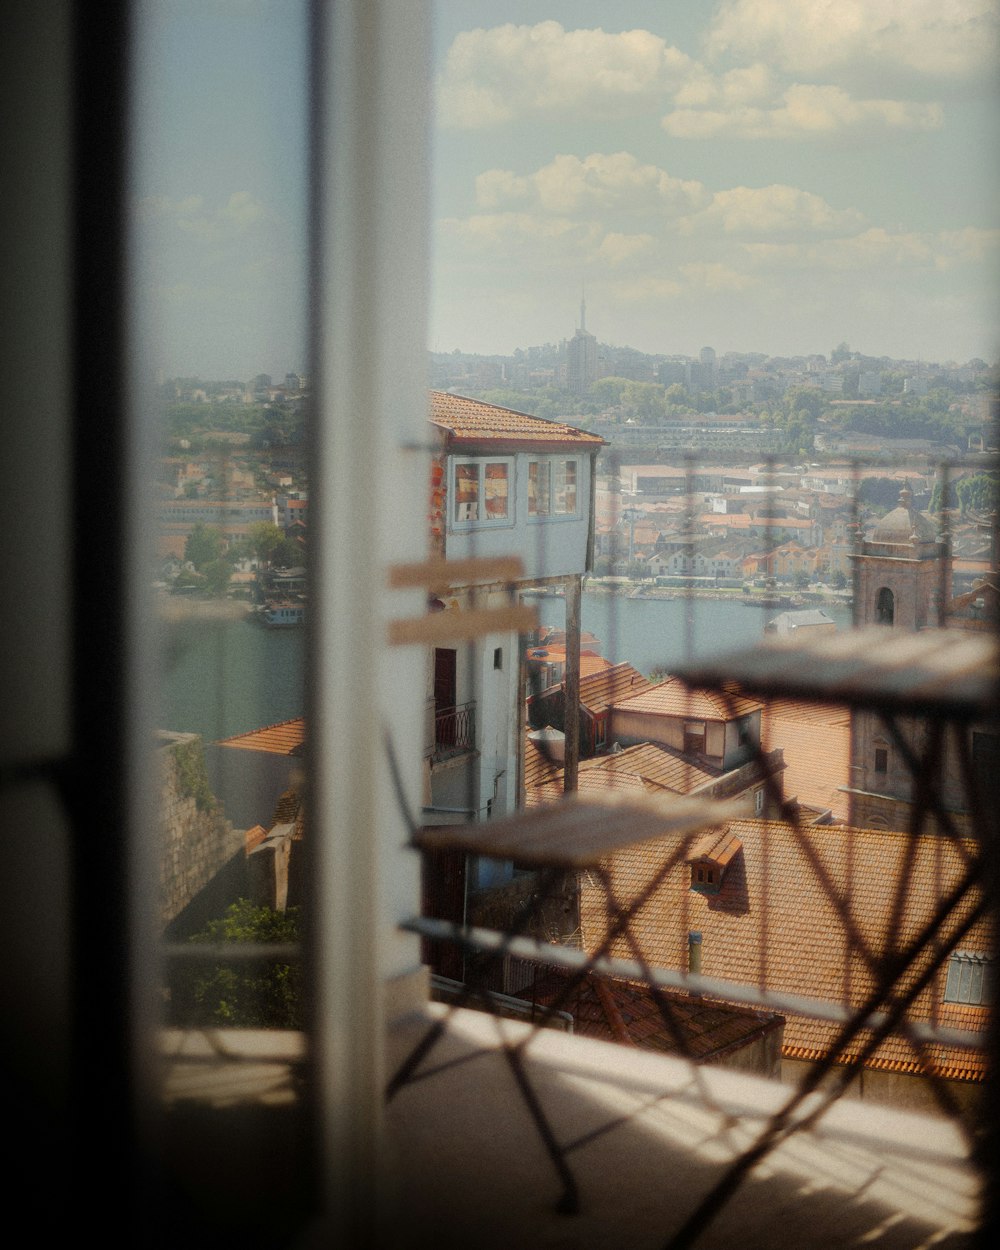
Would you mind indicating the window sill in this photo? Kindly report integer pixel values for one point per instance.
(652, 1135)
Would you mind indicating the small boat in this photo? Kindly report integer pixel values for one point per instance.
(281, 615)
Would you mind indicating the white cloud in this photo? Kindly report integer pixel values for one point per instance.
(968, 246)
(238, 216)
(774, 210)
(616, 248)
(713, 276)
(507, 230)
(803, 110)
(644, 288)
(599, 183)
(500, 186)
(494, 76)
(932, 38)
(876, 250)
(747, 85)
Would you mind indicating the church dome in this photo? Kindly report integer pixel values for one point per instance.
(902, 523)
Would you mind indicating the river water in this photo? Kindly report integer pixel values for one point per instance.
(651, 633)
(227, 677)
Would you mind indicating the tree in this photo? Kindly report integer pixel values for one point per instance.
(204, 544)
(288, 554)
(645, 401)
(838, 580)
(217, 576)
(265, 538)
(608, 391)
(243, 995)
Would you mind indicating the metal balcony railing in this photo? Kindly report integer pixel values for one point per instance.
(454, 730)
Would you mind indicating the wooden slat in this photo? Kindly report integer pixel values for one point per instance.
(579, 832)
(442, 574)
(441, 627)
(940, 672)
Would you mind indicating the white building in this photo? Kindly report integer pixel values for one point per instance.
(504, 484)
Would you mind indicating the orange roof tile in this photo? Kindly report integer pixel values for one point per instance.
(600, 690)
(815, 739)
(470, 421)
(285, 738)
(718, 845)
(673, 698)
(590, 661)
(642, 769)
(657, 764)
(776, 923)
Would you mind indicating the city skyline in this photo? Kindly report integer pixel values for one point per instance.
(762, 176)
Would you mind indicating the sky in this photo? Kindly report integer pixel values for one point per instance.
(774, 176)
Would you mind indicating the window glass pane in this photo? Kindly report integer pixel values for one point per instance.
(497, 485)
(220, 195)
(466, 492)
(565, 500)
(538, 488)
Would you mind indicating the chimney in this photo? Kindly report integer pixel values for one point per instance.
(694, 952)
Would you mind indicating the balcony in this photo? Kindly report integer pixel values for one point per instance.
(454, 731)
(645, 1136)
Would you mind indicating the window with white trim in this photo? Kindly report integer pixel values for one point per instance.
(553, 487)
(481, 491)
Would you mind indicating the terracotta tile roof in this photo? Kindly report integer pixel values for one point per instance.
(815, 739)
(285, 738)
(776, 924)
(590, 661)
(289, 810)
(470, 421)
(615, 1010)
(600, 690)
(664, 768)
(642, 769)
(254, 837)
(718, 845)
(591, 781)
(673, 698)
(726, 520)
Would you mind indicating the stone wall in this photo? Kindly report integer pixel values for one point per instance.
(198, 843)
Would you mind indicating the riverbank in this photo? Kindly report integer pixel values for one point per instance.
(176, 608)
(628, 589)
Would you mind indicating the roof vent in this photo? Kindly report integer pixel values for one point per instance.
(551, 741)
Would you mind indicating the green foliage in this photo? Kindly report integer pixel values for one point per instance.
(265, 538)
(288, 554)
(243, 995)
(879, 492)
(838, 580)
(645, 401)
(217, 576)
(978, 493)
(204, 545)
(192, 773)
(608, 391)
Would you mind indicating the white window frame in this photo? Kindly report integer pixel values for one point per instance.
(480, 463)
(547, 468)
